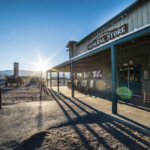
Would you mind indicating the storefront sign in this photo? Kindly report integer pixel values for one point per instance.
(109, 35)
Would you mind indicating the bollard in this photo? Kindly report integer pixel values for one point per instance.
(0, 98)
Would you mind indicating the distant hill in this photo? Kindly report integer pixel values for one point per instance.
(21, 73)
(28, 73)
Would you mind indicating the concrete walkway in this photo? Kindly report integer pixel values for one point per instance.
(129, 113)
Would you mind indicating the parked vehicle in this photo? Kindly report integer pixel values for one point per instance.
(13, 80)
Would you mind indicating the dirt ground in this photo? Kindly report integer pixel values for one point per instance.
(95, 131)
(27, 93)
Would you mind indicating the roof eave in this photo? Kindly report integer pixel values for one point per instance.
(123, 11)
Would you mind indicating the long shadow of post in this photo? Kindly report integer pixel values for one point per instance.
(86, 143)
(39, 117)
(112, 130)
(100, 139)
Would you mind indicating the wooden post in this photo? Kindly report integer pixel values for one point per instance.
(0, 98)
(114, 79)
(58, 81)
(64, 78)
(47, 78)
(50, 79)
(72, 80)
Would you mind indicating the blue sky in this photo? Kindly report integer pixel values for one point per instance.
(29, 27)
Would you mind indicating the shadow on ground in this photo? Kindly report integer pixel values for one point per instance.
(105, 133)
(33, 142)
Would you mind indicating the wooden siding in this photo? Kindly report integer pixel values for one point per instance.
(138, 53)
(139, 16)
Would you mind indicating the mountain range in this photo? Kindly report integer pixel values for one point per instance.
(28, 73)
(21, 73)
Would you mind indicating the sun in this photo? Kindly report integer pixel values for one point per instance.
(42, 66)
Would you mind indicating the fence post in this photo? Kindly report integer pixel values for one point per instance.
(0, 98)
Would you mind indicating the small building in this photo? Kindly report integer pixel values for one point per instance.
(115, 56)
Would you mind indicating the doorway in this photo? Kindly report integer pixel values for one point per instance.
(129, 77)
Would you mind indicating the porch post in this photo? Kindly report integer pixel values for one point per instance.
(50, 79)
(114, 79)
(64, 77)
(47, 78)
(58, 81)
(72, 80)
(149, 59)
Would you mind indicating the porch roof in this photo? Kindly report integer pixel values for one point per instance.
(109, 21)
(119, 40)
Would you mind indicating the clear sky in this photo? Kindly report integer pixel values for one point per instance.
(29, 27)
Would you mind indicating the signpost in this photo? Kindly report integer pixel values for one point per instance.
(16, 69)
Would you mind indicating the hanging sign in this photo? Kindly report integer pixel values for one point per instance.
(109, 35)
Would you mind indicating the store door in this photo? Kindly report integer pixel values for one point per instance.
(130, 78)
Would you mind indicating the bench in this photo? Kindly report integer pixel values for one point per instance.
(146, 98)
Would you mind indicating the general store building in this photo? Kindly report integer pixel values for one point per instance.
(115, 56)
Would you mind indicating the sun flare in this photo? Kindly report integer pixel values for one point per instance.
(42, 66)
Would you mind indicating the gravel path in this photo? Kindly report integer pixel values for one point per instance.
(43, 119)
(97, 132)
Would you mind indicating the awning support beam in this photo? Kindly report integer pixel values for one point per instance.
(114, 79)
(58, 81)
(50, 79)
(47, 77)
(64, 77)
(72, 80)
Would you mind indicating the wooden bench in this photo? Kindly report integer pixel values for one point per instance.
(75, 84)
(146, 98)
(90, 89)
(83, 85)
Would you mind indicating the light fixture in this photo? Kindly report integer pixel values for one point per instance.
(125, 63)
(131, 62)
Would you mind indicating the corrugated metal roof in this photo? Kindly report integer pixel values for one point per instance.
(123, 11)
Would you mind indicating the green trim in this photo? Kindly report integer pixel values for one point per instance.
(114, 79)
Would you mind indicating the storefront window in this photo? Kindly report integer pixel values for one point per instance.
(121, 74)
(79, 75)
(125, 74)
(75, 75)
(146, 75)
(137, 74)
(87, 75)
(131, 74)
(97, 74)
